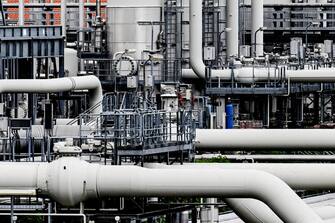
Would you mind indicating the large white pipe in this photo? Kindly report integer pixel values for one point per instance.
(248, 74)
(63, 16)
(297, 176)
(257, 23)
(233, 25)
(81, 9)
(266, 139)
(322, 75)
(196, 50)
(271, 158)
(70, 181)
(90, 82)
(21, 13)
(254, 211)
(196, 61)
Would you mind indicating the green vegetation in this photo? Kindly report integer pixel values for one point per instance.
(219, 159)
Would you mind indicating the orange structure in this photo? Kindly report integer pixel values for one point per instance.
(52, 14)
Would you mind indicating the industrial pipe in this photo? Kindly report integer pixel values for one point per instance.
(91, 83)
(21, 13)
(254, 211)
(81, 9)
(265, 139)
(250, 75)
(257, 20)
(63, 17)
(233, 25)
(256, 158)
(297, 176)
(69, 181)
(247, 74)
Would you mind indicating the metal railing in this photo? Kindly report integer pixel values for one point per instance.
(139, 129)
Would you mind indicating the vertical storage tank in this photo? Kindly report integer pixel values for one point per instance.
(133, 25)
(71, 62)
(229, 116)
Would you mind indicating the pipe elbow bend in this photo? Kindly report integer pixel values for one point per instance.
(198, 67)
(263, 183)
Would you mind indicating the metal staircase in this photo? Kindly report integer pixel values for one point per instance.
(173, 39)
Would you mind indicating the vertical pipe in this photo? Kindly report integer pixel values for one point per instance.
(274, 105)
(233, 25)
(98, 8)
(49, 212)
(21, 13)
(268, 112)
(196, 45)
(81, 27)
(81, 14)
(63, 17)
(214, 214)
(257, 22)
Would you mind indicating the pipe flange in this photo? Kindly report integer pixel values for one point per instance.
(125, 66)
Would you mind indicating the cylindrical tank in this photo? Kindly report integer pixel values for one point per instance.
(70, 62)
(229, 116)
(133, 25)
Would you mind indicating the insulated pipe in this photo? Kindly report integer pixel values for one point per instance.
(196, 51)
(69, 181)
(233, 25)
(318, 76)
(265, 139)
(255, 211)
(22, 176)
(252, 211)
(21, 13)
(297, 175)
(271, 158)
(81, 9)
(196, 61)
(257, 38)
(63, 16)
(248, 74)
(91, 83)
